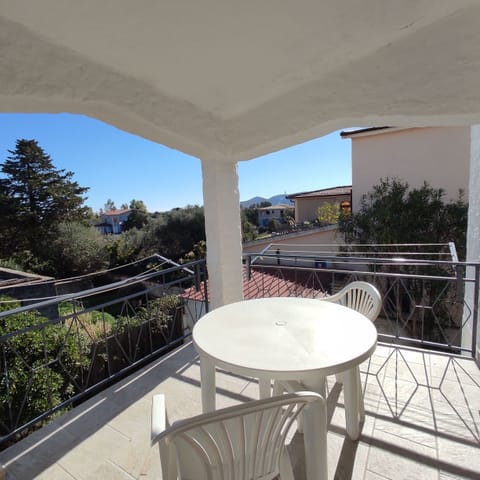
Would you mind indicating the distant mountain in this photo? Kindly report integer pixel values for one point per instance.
(275, 200)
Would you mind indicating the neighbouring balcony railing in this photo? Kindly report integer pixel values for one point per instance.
(426, 303)
(57, 352)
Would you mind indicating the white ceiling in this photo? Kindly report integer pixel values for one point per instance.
(236, 79)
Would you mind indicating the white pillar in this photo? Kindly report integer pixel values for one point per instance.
(223, 229)
(473, 230)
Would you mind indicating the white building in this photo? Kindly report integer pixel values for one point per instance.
(112, 221)
(273, 212)
(438, 155)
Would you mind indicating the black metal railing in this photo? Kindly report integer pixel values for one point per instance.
(49, 362)
(56, 353)
(426, 303)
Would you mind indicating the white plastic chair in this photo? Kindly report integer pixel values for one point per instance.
(243, 442)
(365, 299)
(360, 296)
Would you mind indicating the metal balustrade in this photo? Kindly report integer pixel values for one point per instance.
(426, 303)
(49, 362)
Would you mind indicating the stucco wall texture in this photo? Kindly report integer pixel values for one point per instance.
(438, 155)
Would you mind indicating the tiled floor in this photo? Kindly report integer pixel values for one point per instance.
(422, 422)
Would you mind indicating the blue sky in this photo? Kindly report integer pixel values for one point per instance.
(115, 164)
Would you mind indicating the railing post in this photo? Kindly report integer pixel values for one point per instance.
(205, 287)
(475, 310)
(197, 277)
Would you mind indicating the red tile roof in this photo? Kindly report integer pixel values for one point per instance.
(325, 192)
(264, 285)
(117, 211)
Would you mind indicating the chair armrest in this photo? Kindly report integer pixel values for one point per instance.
(292, 386)
(159, 417)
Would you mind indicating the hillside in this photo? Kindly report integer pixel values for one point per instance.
(275, 200)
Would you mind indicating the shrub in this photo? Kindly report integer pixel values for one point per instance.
(40, 366)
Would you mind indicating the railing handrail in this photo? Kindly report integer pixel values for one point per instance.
(125, 332)
(102, 289)
(342, 258)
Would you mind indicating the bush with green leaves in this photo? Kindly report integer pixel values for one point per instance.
(39, 365)
(393, 213)
(173, 233)
(76, 249)
(328, 213)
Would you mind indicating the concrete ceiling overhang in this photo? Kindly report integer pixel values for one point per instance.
(236, 79)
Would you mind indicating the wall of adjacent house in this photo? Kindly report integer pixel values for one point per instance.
(321, 236)
(306, 209)
(439, 155)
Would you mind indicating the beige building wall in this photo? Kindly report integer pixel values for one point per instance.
(439, 155)
(325, 236)
(306, 209)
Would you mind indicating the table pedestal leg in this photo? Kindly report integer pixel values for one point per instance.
(207, 384)
(353, 402)
(316, 384)
(264, 386)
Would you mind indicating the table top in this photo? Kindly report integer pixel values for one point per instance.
(285, 337)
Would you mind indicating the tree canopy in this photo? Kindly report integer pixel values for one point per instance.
(35, 197)
(173, 233)
(138, 217)
(393, 213)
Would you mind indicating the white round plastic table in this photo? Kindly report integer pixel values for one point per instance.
(286, 338)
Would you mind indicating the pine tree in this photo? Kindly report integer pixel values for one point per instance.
(35, 197)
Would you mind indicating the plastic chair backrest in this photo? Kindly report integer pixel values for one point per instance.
(360, 296)
(243, 442)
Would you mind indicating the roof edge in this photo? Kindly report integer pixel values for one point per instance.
(365, 132)
(293, 195)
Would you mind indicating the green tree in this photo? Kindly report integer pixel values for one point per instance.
(198, 252)
(328, 213)
(110, 205)
(274, 225)
(35, 197)
(127, 247)
(249, 228)
(392, 213)
(173, 234)
(138, 217)
(289, 213)
(39, 366)
(77, 249)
